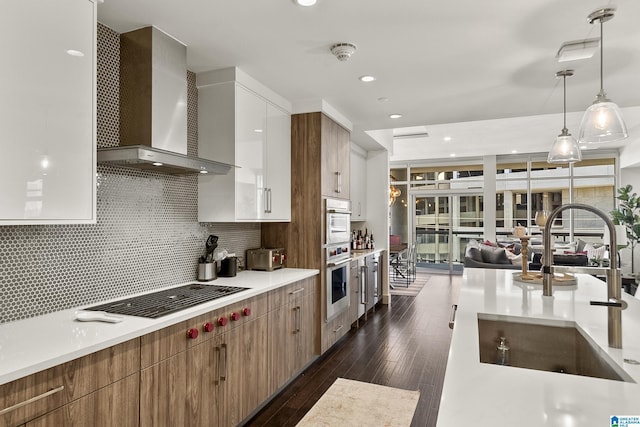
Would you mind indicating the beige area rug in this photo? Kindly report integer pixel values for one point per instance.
(414, 288)
(351, 403)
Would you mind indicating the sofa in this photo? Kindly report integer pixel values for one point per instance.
(507, 255)
(480, 255)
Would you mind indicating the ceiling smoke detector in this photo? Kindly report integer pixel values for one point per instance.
(343, 51)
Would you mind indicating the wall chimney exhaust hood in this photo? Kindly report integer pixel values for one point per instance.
(153, 107)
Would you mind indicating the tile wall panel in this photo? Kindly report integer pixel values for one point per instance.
(147, 235)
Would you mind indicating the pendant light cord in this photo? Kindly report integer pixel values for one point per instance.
(601, 57)
(564, 101)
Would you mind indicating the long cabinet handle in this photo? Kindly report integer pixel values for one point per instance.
(338, 328)
(223, 375)
(297, 291)
(298, 319)
(337, 182)
(365, 284)
(269, 200)
(265, 201)
(33, 399)
(218, 375)
(452, 318)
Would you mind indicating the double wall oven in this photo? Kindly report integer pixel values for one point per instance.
(338, 256)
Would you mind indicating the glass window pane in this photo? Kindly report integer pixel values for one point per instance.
(398, 174)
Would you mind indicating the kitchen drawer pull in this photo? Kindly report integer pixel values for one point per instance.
(338, 328)
(33, 399)
(298, 319)
(218, 376)
(452, 318)
(223, 375)
(297, 291)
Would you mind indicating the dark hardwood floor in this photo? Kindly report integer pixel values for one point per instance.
(405, 346)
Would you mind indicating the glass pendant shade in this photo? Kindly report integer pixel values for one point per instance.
(565, 149)
(602, 122)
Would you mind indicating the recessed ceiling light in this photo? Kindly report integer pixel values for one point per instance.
(514, 151)
(395, 116)
(367, 79)
(157, 164)
(383, 99)
(305, 2)
(447, 138)
(452, 155)
(74, 52)
(257, 130)
(203, 172)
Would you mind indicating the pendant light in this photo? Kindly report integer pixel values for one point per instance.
(602, 122)
(565, 149)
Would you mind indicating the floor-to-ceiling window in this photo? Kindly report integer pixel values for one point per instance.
(439, 207)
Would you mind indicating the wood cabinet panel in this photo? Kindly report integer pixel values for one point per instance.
(163, 392)
(77, 378)
(113, 405)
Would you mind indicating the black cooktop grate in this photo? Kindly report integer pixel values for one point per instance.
(161, 303)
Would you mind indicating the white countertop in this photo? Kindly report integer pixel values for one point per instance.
(481, 394)
(31, 345)
(356, 254)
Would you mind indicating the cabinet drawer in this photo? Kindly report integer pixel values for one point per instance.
(169, 341)
(32, 396)
(114, 405)
(288, 294)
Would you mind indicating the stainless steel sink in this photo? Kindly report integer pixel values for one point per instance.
(554, 346)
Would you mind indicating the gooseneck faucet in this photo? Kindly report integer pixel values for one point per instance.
(614, 302)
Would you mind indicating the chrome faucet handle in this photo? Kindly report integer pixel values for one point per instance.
(611, 303)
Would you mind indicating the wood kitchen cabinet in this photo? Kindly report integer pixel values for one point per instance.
(239, 126)
(217, 378)
(95, 389)
(292, 330)
(358, 183)
(113, 405)
(335, 152)
(48, 112)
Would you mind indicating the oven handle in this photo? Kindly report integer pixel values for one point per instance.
(335, 264)
(338, 211)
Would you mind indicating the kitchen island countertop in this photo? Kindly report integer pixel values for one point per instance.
(37, 343)
(483, 394)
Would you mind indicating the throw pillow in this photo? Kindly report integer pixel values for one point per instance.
(515, 259)
(493, 255)
(474, 254)
(595, 252)
(581, 245)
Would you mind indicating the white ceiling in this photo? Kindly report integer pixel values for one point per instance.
(440, 64)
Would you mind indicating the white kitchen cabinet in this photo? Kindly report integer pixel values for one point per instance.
(238, 126)
(47, 112)
(358, 183)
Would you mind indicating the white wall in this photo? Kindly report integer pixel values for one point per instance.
(378, 205)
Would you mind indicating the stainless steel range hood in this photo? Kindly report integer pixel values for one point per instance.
(153, 107)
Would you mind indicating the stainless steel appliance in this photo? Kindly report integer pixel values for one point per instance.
(338, 221)
(161, 303)
(265, 259)
(338, 259)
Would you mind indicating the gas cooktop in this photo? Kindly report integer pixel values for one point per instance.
(161, 303)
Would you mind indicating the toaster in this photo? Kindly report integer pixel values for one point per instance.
(265, 259)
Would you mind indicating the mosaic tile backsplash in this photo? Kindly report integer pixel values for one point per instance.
(147, 235)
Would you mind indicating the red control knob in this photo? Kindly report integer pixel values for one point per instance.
(207, 327)
(235, 316)
(222, 321)
(192, 333)
(246, 311)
